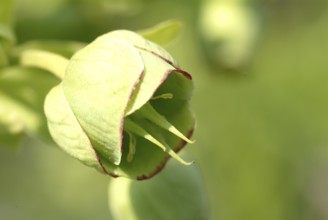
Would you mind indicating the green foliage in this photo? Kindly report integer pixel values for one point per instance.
(21, 110)
(162, 33)
(6, 34)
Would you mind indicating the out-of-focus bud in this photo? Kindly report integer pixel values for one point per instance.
(176, 193)
(122, 106)
(230, 30)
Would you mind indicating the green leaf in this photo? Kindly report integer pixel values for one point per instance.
(6, 34)
(54, 63)
(60, 47)
(22, 93)
(162, 33)
(7, 38)
(3, 56)
(98, 84)
(6, 11)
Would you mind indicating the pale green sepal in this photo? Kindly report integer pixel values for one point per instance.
(98, 84)
(162, 33)
(179, 85)
(66, 130)
(155, 73)
(138, 41)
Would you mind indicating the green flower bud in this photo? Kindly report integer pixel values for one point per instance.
(176, 193)
(122, 106)
(230, 30)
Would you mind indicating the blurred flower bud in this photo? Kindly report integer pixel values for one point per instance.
(229, 29)
(123, 106)
(176, 193)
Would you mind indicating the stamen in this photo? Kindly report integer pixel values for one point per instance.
(133, 127)
(136, 129)
(132, 146)
(163, 96)
(152, 115)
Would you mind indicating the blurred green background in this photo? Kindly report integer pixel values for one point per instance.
(262, 125)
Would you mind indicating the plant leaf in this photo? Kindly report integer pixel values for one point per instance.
(6, 11)
(61, 47)
(51, 62)
(7, 37)
(22, 93)
(163, 33)
(6, 34)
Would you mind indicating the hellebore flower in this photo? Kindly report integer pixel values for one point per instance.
(122, 106)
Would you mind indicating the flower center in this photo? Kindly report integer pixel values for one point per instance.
(133, 126)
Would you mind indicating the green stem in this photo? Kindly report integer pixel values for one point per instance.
(52, 62)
